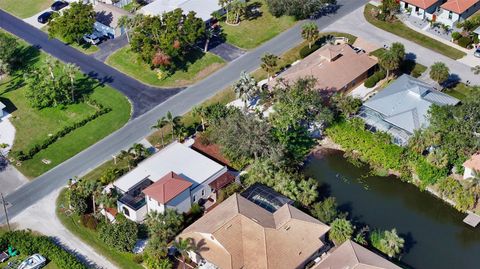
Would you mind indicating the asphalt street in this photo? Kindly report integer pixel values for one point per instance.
(139, 127)
(142, 97)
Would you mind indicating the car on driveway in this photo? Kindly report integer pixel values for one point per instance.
(44, 17)
(57, 5)
(92, 39)
(477, 53)
(36, 261)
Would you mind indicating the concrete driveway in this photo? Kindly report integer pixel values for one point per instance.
(10, 178)
(33, 20)
(356, 24)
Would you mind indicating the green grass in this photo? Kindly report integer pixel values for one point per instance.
(400, 29)
(460, 91)
(90, 237)
(86, 48)
(203, 65)
(251, 32)
(24, 8)
(33, 126)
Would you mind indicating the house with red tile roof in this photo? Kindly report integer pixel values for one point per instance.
(471, 166)
(454, 11)
(423, 9)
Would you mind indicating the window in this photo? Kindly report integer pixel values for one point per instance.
(450, 15)
(406, 5)
(203, 192)
(158, 203)
(126, 212)
(194, 198)
(417, 9)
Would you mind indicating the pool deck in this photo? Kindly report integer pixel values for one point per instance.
(472, 219)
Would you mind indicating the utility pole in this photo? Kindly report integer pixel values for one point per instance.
(5, 209)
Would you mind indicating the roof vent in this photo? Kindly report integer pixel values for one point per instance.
(287, 228)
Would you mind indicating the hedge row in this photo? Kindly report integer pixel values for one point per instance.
(28, 244)
(22, 156)
(375, 78)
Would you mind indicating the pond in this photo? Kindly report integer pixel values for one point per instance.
(434, 232)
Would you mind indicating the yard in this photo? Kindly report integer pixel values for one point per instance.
(34, 126)
(24, 8)
(460, 91)
(256, 29)
(200, 66)
(400, 29)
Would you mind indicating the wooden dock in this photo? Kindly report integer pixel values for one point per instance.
(472, 219)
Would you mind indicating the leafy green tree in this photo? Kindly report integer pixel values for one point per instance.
(269, 64)
(237, 10)
(165, 225)
(326, 210)
(310, 33)
(246, 88)
(389, 61)
(347, 105)
(300, 9)
(8, 53)
(341, 230)
(389, 8)
(388, 242)
(121, 235)
(398, 49)
(74, 22)
(361, 237)
(439, 72)
(184, 246)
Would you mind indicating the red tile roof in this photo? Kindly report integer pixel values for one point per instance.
(167, 188)
(458, 6)
(211, 150)
(473, 163)
(222, 181)
(424, 4)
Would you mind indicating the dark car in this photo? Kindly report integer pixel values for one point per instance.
(44, 17)
(57, 5)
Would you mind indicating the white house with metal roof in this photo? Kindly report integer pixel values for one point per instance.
(203, 8)
(149, 187)
(403, 107)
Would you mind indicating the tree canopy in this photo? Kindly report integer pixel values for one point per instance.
(300, 9)
(439, 72)
(8, 51)
(74, 22)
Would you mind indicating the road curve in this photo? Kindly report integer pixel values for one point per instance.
(139, 127)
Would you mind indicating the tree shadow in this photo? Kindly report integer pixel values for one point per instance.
(191, 57)
(26, 56)
(253, 11)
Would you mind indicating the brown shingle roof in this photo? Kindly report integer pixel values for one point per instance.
(354, 256)
(167, 188)
(238, 233)
(222, 181)
(334, 67)
(211, 150)
(458, 6)
(473, 163)
(424, 4)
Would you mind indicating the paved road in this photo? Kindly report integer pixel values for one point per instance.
(143, 97)
(138, 128)
(358, 26)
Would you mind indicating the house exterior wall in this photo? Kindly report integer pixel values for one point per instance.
(448, 18)
(421, 13)
(134, 215)
(154, 205)
(468, 173)
(182, 203)
(203, 190)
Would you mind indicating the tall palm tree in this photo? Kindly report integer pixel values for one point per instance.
(245, 88)
(310, 33)
(72, 70)
(209, 33)
(138, 150)
(162, 122)
(389, 61)
(173, 121)
(184, 246)
(201, 112)
(125, 22)
(439, 72)
(238, 9)
(341, 230)
(125, 155)
(269, 63)
(392, 243)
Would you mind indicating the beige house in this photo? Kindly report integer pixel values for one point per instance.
(336, 68)
(471, 166)
(354, 256)
(240, 234)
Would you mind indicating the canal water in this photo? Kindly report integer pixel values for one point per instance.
(436, 237)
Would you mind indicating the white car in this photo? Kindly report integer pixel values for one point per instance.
(92, 39)
(36, 261)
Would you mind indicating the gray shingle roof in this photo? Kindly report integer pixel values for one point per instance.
(405, 102)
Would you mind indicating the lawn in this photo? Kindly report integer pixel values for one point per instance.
(24, 8)
(72, 223)
(256, 29)
(202, 65)
(460, 91)
(400, 29)
(34, 126)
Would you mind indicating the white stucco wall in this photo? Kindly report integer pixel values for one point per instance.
(135, 215)
(443, 17)
(468, 173)
(197, 193)
(182, 203)
(154, 205)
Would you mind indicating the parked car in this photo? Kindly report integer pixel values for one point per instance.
(4, 256)
(36, 261)
(477, 53)
(44, 17)
(92, 39)
(57, 5)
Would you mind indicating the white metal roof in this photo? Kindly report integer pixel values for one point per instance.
(203, 8)
(2, 106)
(177, 158)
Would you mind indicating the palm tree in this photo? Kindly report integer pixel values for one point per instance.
(398, 49)
(162, 122)
(391, 243)
(125, 22)
(269, 63)
(71, 70)
(341, 230)
(389, 61)
(226, 5)
(439, 72)
(173, 121)
(138, 150)
(476, 69)
(184, 246)
(125, 155)
(164, 264)
(238, 9)
(310, 33)
(245, 88)
(209, 33)
(201, 112)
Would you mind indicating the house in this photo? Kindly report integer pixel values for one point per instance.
(423, 9)
(402, 107)
(175, 177)
(336, 68)
(354, 256)
(203, 9)
(471, 166)
(238, 233)
(453, 11)
(117, 3)
(107, 18)
(2, 108)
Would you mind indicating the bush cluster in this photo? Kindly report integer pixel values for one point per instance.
(89, 221)
(26, 155)
(27, 244)
(464, 41)
(305, 51)
(374, 79)
(456, 36)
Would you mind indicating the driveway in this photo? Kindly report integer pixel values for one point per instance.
(226, 51)
(356, 24)
(41, 217)
(110, 46)
(10, 178)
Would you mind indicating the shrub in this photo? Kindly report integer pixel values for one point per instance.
(138, 258)
(374, 79)
(89, 221)
(122, 235)
(456, 36)
(464, 41)
(305, 51)
(427, 173)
